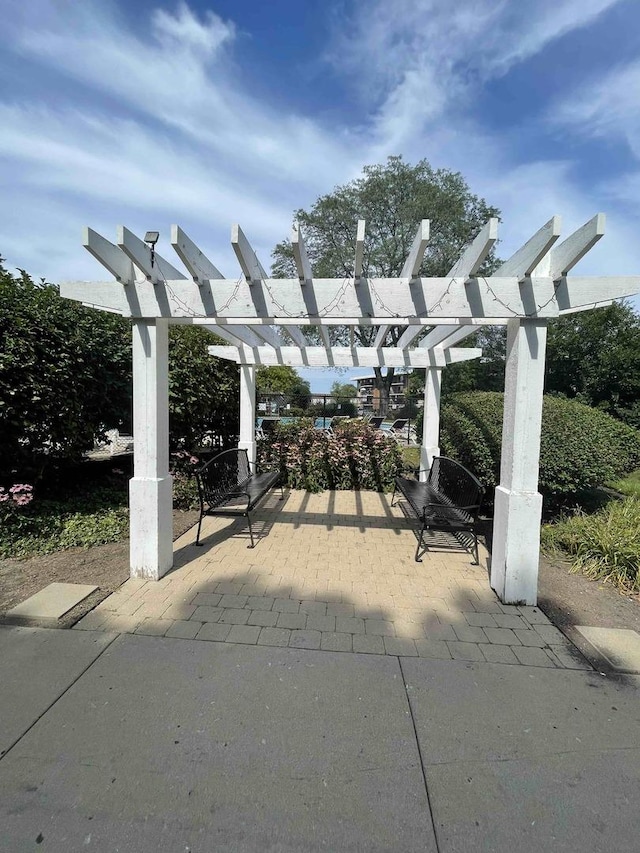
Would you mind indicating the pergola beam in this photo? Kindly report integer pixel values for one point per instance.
(110, 256)
(345, 356)
(152, 265)
(357, 266)
(381, 334)
(565, 256)
(342, 301)
(413, 262)
(523, 262)
(475, 253)
(300, 256)
(247, 258)
(194, 259)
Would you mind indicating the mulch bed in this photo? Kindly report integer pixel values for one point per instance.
(104, 566)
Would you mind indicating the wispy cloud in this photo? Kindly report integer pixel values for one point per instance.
(159, 126)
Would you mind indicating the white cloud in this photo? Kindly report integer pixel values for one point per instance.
(184, 30)
(604, 107)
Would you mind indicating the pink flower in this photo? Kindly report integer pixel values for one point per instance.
(4, 497)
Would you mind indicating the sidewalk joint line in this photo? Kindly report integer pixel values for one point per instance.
(58, 698)
(422, 767)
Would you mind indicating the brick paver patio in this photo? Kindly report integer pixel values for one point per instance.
(334, 571)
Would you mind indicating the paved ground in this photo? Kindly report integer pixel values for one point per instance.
(334, 571)
(320, 692)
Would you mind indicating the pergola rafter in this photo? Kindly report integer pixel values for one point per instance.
(263, 319)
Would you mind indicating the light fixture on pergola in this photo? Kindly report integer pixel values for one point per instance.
(263, 319)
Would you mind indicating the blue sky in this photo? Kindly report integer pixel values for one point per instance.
(204, 114)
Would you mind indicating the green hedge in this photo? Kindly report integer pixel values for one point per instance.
(354, 457)
(580, 447)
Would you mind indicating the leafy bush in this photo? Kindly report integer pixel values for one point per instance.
(44, 526)
(203, 391)
(580, 447)
(65, 376)
(354, 457)
(605, 545)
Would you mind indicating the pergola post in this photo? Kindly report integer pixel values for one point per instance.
(430, 420)
(518, 505)
(151, 542)
(248, 410)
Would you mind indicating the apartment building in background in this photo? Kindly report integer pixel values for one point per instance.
(369, 396)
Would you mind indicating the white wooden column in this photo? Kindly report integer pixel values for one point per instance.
(248, 410)
(430, 446)
(518, 505)
(151, 548)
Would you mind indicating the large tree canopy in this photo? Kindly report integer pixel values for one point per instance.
(393, 198)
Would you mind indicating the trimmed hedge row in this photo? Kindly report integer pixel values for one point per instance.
(580, 447)
(354, 457)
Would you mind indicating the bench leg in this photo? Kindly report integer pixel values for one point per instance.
(198, 542)
(393, 496)
(475, 539)
(281, 492)
(250, 532)
(420, 542)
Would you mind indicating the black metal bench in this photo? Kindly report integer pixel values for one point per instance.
(448, 501)
(225, 481)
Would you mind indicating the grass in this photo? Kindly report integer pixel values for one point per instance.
(604, 545)
(629, 485)
(411, 456)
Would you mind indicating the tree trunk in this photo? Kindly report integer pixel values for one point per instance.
(382, 385)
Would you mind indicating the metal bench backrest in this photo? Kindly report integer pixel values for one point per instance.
(453, 480)
(225, 474)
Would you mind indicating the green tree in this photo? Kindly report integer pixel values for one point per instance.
(344, 389)
(203, 391)
(392, 198)
(284, 380)
(594, 357)
(65, 376)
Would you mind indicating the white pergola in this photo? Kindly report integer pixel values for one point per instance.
(262, 320)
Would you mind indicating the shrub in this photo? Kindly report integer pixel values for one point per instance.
(65, 376)
(580, 447)
(354, 457)
(605, 545)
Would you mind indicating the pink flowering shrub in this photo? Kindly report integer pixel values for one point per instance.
(18, 495)
(354, 457)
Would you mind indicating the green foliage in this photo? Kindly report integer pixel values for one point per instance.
(354, 457)
(594, 357)
(603, 546)
(344, 390)
(580, 447)
(203, 391)
(282, 379)
(91, 517)
(65, 376)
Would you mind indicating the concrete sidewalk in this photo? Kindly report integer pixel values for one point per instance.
(137, 743)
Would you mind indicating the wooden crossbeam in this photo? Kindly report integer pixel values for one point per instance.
(198, 264)
(140, 253)
(237, 335)
(346, 356)
(565, 256)
(526, 259)
(110, 256)
(381, 334)
(344, 301)
(474, 254)
(446, 336)
(413, 262)
(247, 258)
(357, 267)
(300, 254)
